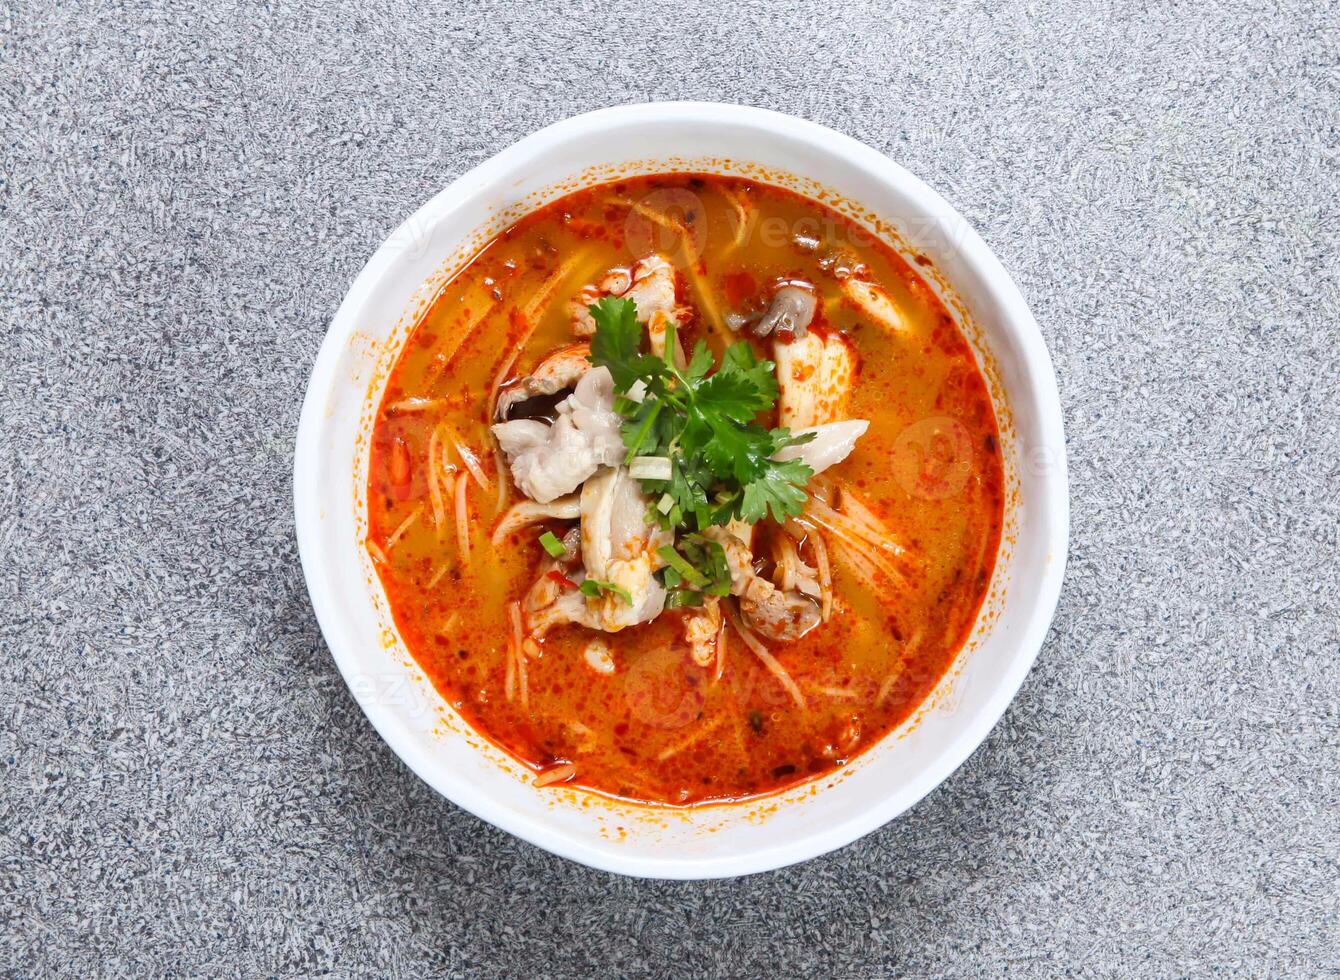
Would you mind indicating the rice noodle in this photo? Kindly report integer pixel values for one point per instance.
(500, 465)
(545, 293)
(414, 404)
(442, 361)
(855, 545)
(462, 519)
(702, 732)
(470, 460)
(864, 568)
(513, 649)
(831, 691)
(558, 774)
(825, 571)
(741, 218)
(434, 480)
(721, 653)
(690, 266)
(852, 506)
(885, 689)
(375, 550)
(501, 376)
(437, 577)
(404, 525)
(769, 661)
(881, 539)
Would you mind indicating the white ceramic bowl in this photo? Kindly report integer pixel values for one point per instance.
(331, 467)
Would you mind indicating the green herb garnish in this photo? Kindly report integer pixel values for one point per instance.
(703, 421)
(552, 545)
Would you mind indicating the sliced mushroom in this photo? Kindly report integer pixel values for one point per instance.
(791, 311)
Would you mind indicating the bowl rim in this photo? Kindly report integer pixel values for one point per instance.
(1015, 318)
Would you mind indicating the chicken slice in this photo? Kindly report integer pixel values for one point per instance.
(561, 370)
(548, 461)
(832, 443)
(815, 374)
(653, 286)
(618, 547)
(875, 303)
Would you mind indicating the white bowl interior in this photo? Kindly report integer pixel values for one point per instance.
(331, 471)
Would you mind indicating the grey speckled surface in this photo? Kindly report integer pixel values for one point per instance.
(184, 197)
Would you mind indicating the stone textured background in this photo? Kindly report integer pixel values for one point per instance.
(185, 195)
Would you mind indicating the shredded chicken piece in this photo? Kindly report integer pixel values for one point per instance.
(561, 370)
(620, 547)
(653, 286)
(702, 630)
(815, 375)
(548, 461)
(528, 512)
(778, 614)
(613, 283)
(598, 656)
(650, 284)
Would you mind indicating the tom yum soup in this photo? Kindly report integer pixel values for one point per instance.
(684, 489)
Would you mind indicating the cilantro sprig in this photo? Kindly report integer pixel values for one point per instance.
(703, 418)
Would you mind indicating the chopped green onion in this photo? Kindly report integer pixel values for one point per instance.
(552, 545)
(593, 587)
(637, 391)
(676, 561)
(666, 503)
(683, 597)
(650, 468)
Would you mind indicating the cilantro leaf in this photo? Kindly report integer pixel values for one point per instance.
(617, 342)
(703, 417)
(779, 491)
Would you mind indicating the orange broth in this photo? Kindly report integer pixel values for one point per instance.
(661, 729)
